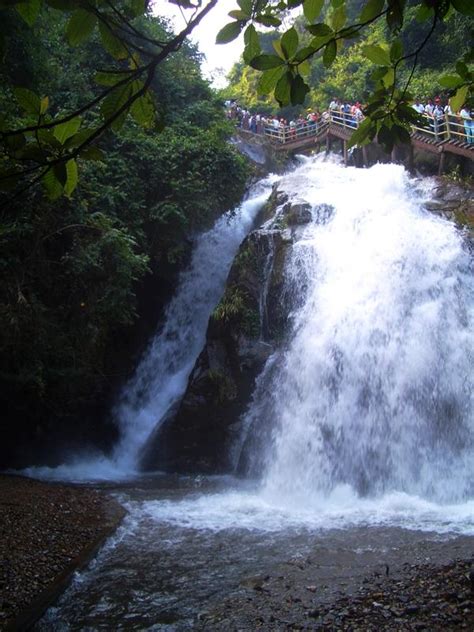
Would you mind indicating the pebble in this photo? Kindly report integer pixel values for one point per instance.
(45, 529)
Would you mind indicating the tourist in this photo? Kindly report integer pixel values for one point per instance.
(419, 107)
(468, 120)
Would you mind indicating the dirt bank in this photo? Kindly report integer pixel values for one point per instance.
(47, 531)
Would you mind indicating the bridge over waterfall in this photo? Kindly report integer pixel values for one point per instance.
(440, 136)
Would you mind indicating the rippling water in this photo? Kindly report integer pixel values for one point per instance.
(370, 455)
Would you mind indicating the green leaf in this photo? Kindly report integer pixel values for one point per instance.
(252, 43)
(28, 100)
(464, 6)
(299, 90)
(78, 139)
(92, 153)
(379, 73)
(450, 81)
(72, 177)
(269, 79)
(143, 111)
(303, 54)
(377, 55)
(111, 43)
(339, 18)
(246, 6)
(289, 42)
(29, 11)
(237, 15)
(371, 9)
(108, 78)
(80, 26)
(312, 8)
(54, 188)
(114, 101)
(360, 136)
(278, 49)
(330, 53)
(44, 105)
(229, 32)
(401, 133)
(462, 69)
(320, 29)
(304, 68)
(395, 15)
(63, 131)
(60, 171)
(386, 137)
(459, 98)
(47, 138)
(265, 62)
(283, 89)
(268, 20)
(396, 50)
(389, 78)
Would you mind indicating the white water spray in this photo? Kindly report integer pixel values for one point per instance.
(375, 391)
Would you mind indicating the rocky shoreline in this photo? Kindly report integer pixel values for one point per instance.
(47, 531)
(430, 597)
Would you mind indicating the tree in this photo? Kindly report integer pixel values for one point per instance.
(332, 25)
(44, 140)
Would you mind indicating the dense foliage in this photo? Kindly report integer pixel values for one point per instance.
(71, 266)
(384, 52)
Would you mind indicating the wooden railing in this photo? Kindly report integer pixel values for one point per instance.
(440, 129)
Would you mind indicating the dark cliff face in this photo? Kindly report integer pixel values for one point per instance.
(248, 324)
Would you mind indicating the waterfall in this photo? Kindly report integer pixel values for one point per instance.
(374, 392)
(162, 374)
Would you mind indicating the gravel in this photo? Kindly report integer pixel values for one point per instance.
(431, 597)
(47, 531)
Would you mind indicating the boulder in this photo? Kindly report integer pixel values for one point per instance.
(243, 330)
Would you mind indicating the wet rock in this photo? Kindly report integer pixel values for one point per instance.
(244, 329)
(297, 213)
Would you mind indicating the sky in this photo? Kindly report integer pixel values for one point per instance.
(219, 58)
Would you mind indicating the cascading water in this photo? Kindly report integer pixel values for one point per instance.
(370, 403)
(375, 390)
(162, 374)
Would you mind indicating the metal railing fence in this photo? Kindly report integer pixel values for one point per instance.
(447, 127)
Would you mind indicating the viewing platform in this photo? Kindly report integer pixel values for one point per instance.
(447, 134)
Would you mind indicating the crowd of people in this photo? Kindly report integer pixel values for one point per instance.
(439, 115)
(274, 125)
(438, 118)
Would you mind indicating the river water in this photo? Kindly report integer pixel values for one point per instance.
(370, 407)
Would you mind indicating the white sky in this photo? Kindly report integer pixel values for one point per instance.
(220, 58)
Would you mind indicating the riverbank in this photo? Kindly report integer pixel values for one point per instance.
(435, 597)
(47, 531)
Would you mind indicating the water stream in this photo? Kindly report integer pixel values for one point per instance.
(370, 404)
